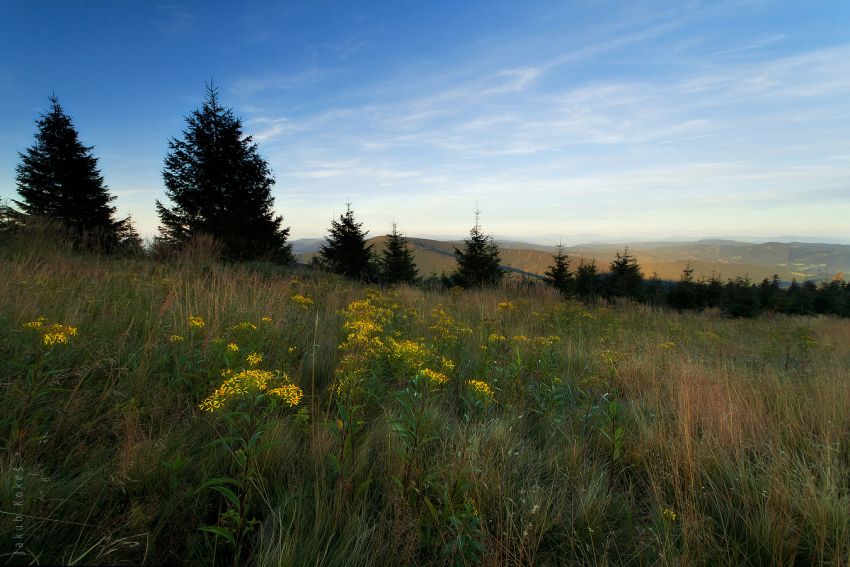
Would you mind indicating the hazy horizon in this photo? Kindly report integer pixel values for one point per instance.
(629, 122)
(576, 240)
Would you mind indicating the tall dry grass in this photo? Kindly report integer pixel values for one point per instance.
(733, 444)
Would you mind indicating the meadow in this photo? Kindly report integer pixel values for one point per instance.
(197, 412)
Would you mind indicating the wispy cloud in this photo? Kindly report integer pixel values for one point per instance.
(173, 20)
(280, 82)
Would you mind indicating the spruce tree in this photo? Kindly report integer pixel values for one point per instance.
(58, 178)
(558, 275)
(221, 186)
(397, 264)
(711, 293)
(9, 219)
(346, 251)
(625, 278)
(656, 291)
(478, 262)
(585, 281)
(741, 298)
(770, 294)
(684, 294)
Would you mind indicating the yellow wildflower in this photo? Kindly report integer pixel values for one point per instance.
(245, 326)
(612, 357)
(266, 319)
(496, 338)
(481, 388)
(196, 322)
(60, 329)
(446, 363)
(53, 334)
(666, 345)
(506, 306)
(302, 300)
(254, 359)
(410, 355)
(233, 347)
(520, 338)
(37, 324)
(175, 339)
(50, 339)
(445, 327)
(237, 384)
(436, 378)
(289, 393)
(669, 514)
(547, 341)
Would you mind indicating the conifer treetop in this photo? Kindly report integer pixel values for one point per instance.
(478, 264)
(397, 263)
(220, 185)
(58, 178)
(345, 250)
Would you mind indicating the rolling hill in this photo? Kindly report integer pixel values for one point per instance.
(725, 258)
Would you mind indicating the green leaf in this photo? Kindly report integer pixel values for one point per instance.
(219, 531)
(229, 494)
(335, 465)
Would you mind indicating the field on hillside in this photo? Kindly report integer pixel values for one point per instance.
(210, 414)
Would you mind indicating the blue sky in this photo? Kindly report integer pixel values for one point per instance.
(632, 120)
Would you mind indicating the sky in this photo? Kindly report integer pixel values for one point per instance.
(630, 120)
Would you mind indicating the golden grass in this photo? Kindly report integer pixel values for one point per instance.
(739, 429)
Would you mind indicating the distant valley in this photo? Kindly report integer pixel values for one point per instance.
(724, 258)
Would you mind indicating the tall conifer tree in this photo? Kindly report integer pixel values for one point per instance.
(625, 278)
(345, 251)
(478, 262)
(397, 263)
(58, 178)
(558, 275)
(585, 281)
(221, 186)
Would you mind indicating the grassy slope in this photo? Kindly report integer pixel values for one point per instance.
(738, 429)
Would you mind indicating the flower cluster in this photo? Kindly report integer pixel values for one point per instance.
(53, 333)
(252, 381)
(444, 326)
(482, 389)
(302, 300)
(547, 341)
(245, 326)
(434, 377)
(175, 339)
(254, 359)
(406, 355)
(364, 323)
(289, 393)
(506, 306)
(370, 345)
(196, 322)
(611, 357)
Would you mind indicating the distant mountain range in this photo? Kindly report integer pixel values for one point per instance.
(725, 258)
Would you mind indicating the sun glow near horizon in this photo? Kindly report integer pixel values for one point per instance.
(648, 122)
